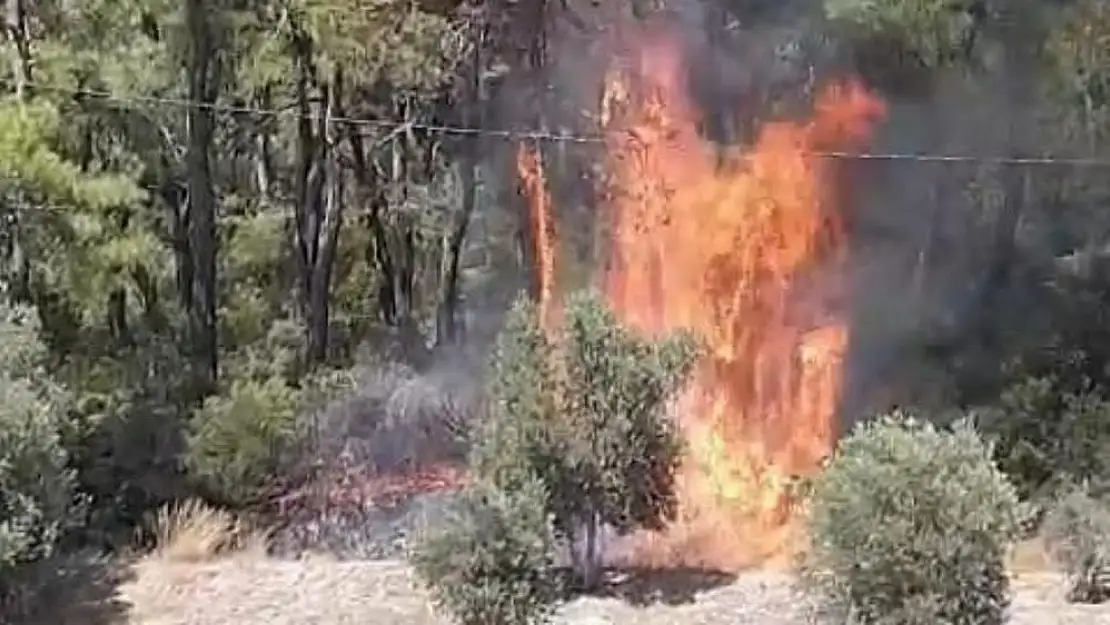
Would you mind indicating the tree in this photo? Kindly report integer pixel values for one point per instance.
(204, 91)
(932, 33)
(912, 524)
(585, 411)
(491, 561)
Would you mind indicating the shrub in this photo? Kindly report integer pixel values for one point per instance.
(932, 32)
(36, 487)
(491, 562)
(1046, 436)
(1076, 533)
(911, 524)
(238, 442)
(391, 416)
(126, 435)
(585, 411)
(37, 493)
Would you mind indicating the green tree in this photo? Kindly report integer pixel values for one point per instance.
(237, 441)
(932, 33)
(491, 560)
(912, 524)
(1046, 436)
(586, 412)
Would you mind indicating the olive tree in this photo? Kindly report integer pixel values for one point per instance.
(911, 523)
(584, 408)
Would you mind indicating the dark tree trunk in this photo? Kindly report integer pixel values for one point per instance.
(393, 245)
(448, 326)
(1019, 28)
(591, 574)
(203, 88)
(319, 208)
(18, 33)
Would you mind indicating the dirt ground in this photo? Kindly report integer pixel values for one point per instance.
(249, 589)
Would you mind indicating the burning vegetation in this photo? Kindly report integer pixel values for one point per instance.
(745, 248)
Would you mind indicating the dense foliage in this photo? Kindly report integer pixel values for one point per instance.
(38, 499)
(583, 409)
(1077, 535)
(492, 560)
(912, 524)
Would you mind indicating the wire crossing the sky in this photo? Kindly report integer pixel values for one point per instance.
(139, 101)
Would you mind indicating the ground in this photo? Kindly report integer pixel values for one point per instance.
(209, 568)
(249, 588)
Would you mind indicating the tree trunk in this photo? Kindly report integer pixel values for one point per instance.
(18, 287)
(1019, 30)
(576, 564)
(591, 574)
(379, 253)
(263, 165)
(17, 31)
(448, 324)
(327, 239)
(319, 208)
(203, 87)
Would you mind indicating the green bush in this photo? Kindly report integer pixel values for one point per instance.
(238, 441)
(933, 32)
(912, 525)
(37, 493)
(583, 408)
(491, 561)
(1046, 436)
(36, 486)
(1076, 533)
(126, 435)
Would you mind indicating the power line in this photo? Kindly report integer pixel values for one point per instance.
(137, 101)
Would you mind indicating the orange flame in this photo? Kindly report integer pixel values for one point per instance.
(742, 249)
(541, 226)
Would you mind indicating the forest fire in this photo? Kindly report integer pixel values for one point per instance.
(744, 249)
(541, 225)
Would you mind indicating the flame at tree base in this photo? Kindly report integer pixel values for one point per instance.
(745, 249)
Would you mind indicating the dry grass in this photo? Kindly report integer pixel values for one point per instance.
(248, 591)
(193, 531)
(199, 577)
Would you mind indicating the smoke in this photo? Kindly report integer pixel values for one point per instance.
(920, 232)
(395, 418)
(381, 459)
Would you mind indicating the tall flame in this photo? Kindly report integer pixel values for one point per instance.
(541, 227)
(744, 248)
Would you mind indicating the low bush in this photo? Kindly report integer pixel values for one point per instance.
(911, 524)
(1076, 533)
(1046, 436)
(492, 560)
(238, 442)
(37, 488)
